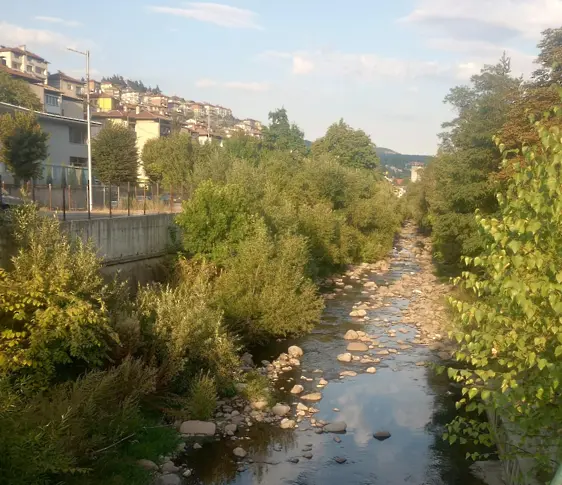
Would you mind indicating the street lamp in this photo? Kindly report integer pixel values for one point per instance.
(88, 117)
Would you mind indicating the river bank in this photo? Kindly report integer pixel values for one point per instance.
(356, 400)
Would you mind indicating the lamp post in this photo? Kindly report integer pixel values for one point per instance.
(88, 117)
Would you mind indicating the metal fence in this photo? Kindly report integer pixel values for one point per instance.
(71, 201)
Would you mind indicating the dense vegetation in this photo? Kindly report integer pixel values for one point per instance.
(90, 380)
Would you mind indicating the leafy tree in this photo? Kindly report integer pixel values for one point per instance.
(114, 154)
(508, 327)
(349, 147)
(244, 147)
(282, 135)
(23, 144)
(17, 92)
(170, 159)
(467, 160)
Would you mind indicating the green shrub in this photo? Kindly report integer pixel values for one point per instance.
(64, 431)
(256, 387)
(55, 309)
(264, 291)
(183, 332)
(202, 400)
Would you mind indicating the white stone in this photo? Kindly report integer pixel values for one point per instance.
(280, 409)
(313, 397)
(297, 389)
(239, 452)
(371, 370)
(295, 352)
(287, 424)
(357, 347)
(337, 427)
(169, 467)
(351, 335)
(347, 357)
(206, 428)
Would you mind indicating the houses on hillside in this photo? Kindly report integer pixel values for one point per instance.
(150, 114)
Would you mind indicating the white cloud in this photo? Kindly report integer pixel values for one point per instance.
(58, 20)
(302, 66)
(244, 86)
(15, 35)
(215, 13)
(494, 20)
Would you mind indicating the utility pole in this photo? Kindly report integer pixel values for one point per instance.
(89, 122)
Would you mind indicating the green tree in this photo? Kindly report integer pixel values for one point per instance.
(349, 147)
(508, 327)
(467, 161)
(114, 154)
(170, 159)
(282, 135)
(23, 144)
(17, 92)
(244, 147)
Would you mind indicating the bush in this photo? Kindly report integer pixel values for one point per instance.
(64, 431)
(183, 332)
(202, 400)
(55, 309)
(264, 290)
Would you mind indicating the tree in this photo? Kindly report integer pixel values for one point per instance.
(17, 92)
(549, 58)
(114, 154)
(282, 135)
(467, 161)
(349, 147)
(170, 159)
(23, 145)
(508, 325)
(244, 147)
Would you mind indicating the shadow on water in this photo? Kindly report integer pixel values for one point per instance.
(406, 399)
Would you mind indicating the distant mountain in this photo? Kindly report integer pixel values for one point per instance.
(385, 151)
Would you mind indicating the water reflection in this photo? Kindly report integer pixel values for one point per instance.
(407, 400)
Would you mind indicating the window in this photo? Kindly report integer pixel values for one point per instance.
(78, 162)
(69, 86)
(51, 100)
(38, 70)
(77, 134)
(16, 65)
(29, 68)
(3, 60)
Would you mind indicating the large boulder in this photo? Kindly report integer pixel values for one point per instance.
(147, 465)
(280, 410)
(297, 389)
(313, 397)
(357, 347)
(239, 452)
(206, 428)
(351, 335)
(295, 352)
(358, 313)
(287, 424)
(337, 427)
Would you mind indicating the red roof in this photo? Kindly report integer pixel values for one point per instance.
(20, 74)
(66, 77)
(22, 52)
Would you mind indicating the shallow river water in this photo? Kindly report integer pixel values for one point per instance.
(405, 399)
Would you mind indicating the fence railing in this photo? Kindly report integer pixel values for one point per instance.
(109, 200)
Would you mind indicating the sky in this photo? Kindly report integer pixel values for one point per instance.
(382, 65)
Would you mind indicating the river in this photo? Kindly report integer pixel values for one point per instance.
(403, 397)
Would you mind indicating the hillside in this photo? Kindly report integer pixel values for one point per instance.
(397, 163)
(385, 151)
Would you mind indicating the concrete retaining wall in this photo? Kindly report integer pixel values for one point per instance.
(125, 239)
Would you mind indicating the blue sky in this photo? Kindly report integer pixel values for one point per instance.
(382, 65)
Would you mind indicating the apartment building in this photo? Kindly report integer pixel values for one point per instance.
(20, 59)
(103, 102)
(67, 84)
(94, 86)
(131, 97)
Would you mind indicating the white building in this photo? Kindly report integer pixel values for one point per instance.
(416, 170)
(20, 59)
(67, 144)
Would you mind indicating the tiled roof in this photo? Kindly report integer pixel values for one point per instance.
(21, 52)
(17, 73)
(66, 77)
(143, 115)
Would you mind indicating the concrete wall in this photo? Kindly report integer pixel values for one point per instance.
(122, 240)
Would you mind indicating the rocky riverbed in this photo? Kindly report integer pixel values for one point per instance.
(356, 401)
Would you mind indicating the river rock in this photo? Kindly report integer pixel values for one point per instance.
(294, 362)
(247, 359)
(313, 397)
(370, 284)
(381, 435)
(259, 405)
(348, 373)
(347, 357)
(297, 389)
(371, 370)
(337, 427)
(147, 465)
(169, 467)
(358, 313)
(302, 407)
(323, 382)
(287, 424)
(168, 479)
(351, 335)
(197, 446)
(206, 428)
(230, 429)
(340, 460)
(293, 460)
(280, 410)
(308, 455)
(295, 352)
(239, 452)
(357, 347)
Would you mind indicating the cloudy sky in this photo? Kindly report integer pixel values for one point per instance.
(382, 65)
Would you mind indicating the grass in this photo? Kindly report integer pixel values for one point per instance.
(257, 388)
